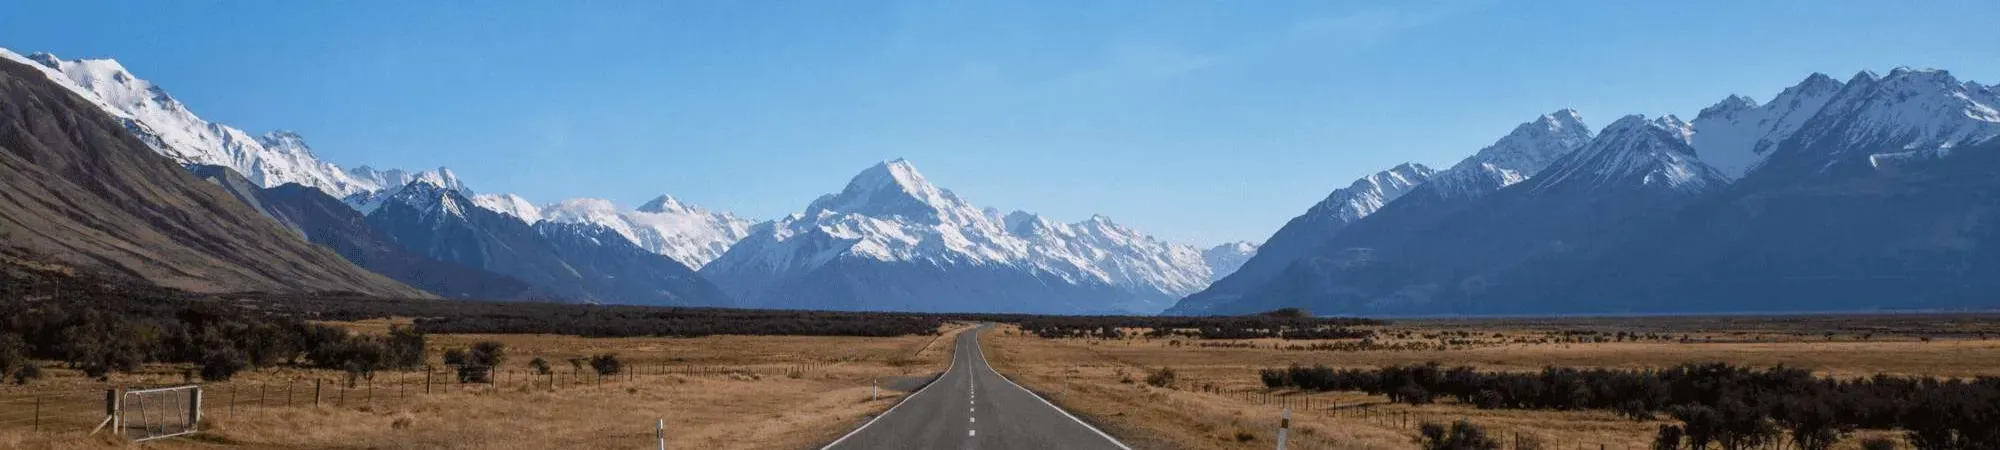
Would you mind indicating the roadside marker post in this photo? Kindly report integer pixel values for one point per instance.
(1284, 428)
(660, 433)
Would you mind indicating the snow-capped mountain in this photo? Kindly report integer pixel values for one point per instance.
(1440, 255)
(509, 204)
(395, 180)
(1099, 249)
(1226, 258)
(170, 128)
(1634, 150)
(1411, 197)
(1308, 232)
(891, 240)
(1737, 134)
(1909, 114)
(687, 233)
(581, 262)
(1521, 154)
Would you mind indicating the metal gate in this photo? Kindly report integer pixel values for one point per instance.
(148, 414)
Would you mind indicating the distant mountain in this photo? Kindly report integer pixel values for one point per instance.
(323, 220)
(83, 189)
(1224, 259)
(684, 232)
(1406, 198)
(893, 241)
(509, 204)
(1307, 232)
(581, 263)
(1874, 193)
(393, 182)
(1883, 199)
(1520, 238)
(167, 126)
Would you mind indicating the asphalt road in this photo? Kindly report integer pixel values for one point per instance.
(972, 407)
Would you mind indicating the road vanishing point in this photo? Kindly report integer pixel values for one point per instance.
(971, 406)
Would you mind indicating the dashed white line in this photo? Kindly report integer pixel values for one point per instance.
(971, 432)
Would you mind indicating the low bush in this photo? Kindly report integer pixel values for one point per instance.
(606, 364)
(1461, 435)
(1162, 378)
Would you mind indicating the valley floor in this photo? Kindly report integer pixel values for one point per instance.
(719, 392)
(1217, 401)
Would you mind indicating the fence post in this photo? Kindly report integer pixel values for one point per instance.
(316, 391)
(194, 408)
(38, 413)
(232, 402)
(1284, 428)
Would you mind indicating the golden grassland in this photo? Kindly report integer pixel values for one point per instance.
(718, 392)
(1218, 401)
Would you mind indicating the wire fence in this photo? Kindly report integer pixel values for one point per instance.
(82, 409)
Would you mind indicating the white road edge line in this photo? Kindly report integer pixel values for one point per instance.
(996, 372)
(906, 399)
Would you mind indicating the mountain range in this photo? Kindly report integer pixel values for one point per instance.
(1872, 193)
(429, 230)
(1869, 194)
(891, 240)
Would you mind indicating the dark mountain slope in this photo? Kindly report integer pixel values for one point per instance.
(80, 189)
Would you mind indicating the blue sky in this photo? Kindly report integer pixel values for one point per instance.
(1197, 121)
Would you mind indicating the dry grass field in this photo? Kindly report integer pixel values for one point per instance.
(1218, 402)
(718, 392)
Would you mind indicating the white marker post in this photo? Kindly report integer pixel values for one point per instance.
(660, 433)
(874, 389)
(1284, 428)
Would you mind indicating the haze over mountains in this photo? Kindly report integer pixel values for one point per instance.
(1873, 193)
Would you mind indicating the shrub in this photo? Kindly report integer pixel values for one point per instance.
(1669, 438)
(456, 357)
(487, 353)
(222, 364)
(1462, 435)
(540, 365)
(406, 348)
(27, 373)
(606, 364)
(12, 355)
(1162, 378)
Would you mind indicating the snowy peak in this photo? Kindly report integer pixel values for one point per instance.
(1634, 152)
(1736, 135)
(394, 178)
(891, 214)
(1224, 259)
(167, 126)
(1909, 113)
(1531, 147)
(666, 226)
(1371, 192)
(430, 198)
(891, 188)
(509, 204)
(667, 204)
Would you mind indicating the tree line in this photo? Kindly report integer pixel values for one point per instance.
(1715, 404)
(1289, 323)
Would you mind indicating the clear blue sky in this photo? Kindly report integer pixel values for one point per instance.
(1198, 121)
